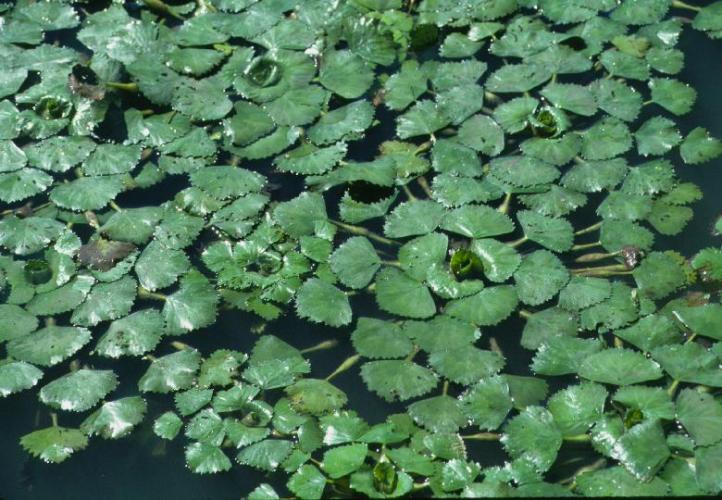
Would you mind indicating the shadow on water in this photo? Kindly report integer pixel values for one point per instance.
(143, 466)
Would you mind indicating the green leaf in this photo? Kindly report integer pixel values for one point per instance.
(344, 123)
(190, 401)
(57, 154)
(488, 307)
(402, 88)
(310, 160)
(517, 78)
(28, 235)
(555, 234)
(539, 277)
(659, 275)
(110, 159)
(398, 379)
(590, 177)
(673, 95)
(345, 74)
(699, 147)
(106, 301)
(315, 397)
(582, 292)
(159, 267)
(22, 184)
(135, 225)
(50, 345)
(192, 306)
(54, 444)
(657, 136)
(171, 372)
(546, 324)
(561, 355)
(115, 419)
(709, 19)
(355, 262)
(617, 234)
(619, 367)
(419, 255)
(642, 449)
(500, 260)
(487, 403)
(533, 437)
(343, 460)
(133, 335)
(606, 139)
(307, 482)
(557, 151)
(617, 99)
(297, 106)
(664, 60)
(571, 97)
(17, 376)
(205, 458)
(477, 221)
(61, 299)
(689, 362)
(412, 218)
(440, 414)
(653, 402)
(201, 100)
(375, 338)
(398, 293)
(700, 415)
(19, 322)
(465, 365)
(707, 461)
(576, 408)
(167, 425)
(87, 193)
(79, 390)
(513, 115)
(522, 171)
(651, 331)
(220, 368)
(482, 134)
(322, 302)
(615, 481)
(636, 12)
(298, 216)
(423, 118)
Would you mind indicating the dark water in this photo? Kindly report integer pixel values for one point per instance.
(143, 467)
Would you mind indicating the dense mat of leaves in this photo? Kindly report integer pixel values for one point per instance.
(504, 124)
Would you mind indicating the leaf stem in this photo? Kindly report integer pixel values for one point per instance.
(524, 313)
(54, 419)
(128, 87)
(589, 229)
(326, 344)
(162, 7)
(408, 193)
(114, 206)
(347, 363)
(675, 382)
(584, 246)
(595, 256)
(682, 5)
(518, 242)
(421, 180)
(413, 353)
(445, 388)
(579, 438)
(504, 207)
(147, 294)
(482, 436)
(612, 267)
(362, 231)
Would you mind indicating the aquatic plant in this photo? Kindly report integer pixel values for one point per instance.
(445, 155)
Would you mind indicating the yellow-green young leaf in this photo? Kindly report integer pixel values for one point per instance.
(343, 460)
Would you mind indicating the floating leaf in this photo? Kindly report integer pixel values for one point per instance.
(87, 193)
(423, 118)
(54, 444)
(477, 221)
(439, 414)
(322, 302)
(699, 147)
(171, 372)
(500, 260)
(554, 234)
(17, 376)
(115, 419)
(488, 307)
(375, 338)
(398, 293)
(700, 414)
(193, 306)
(533, 436)
(79, 390)
(619, 367)
(315, 397)
(539, 277)
(673, 95)
(50, 345)
(205, 458)
(355, 262)
(657, 136)
(398, 379)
